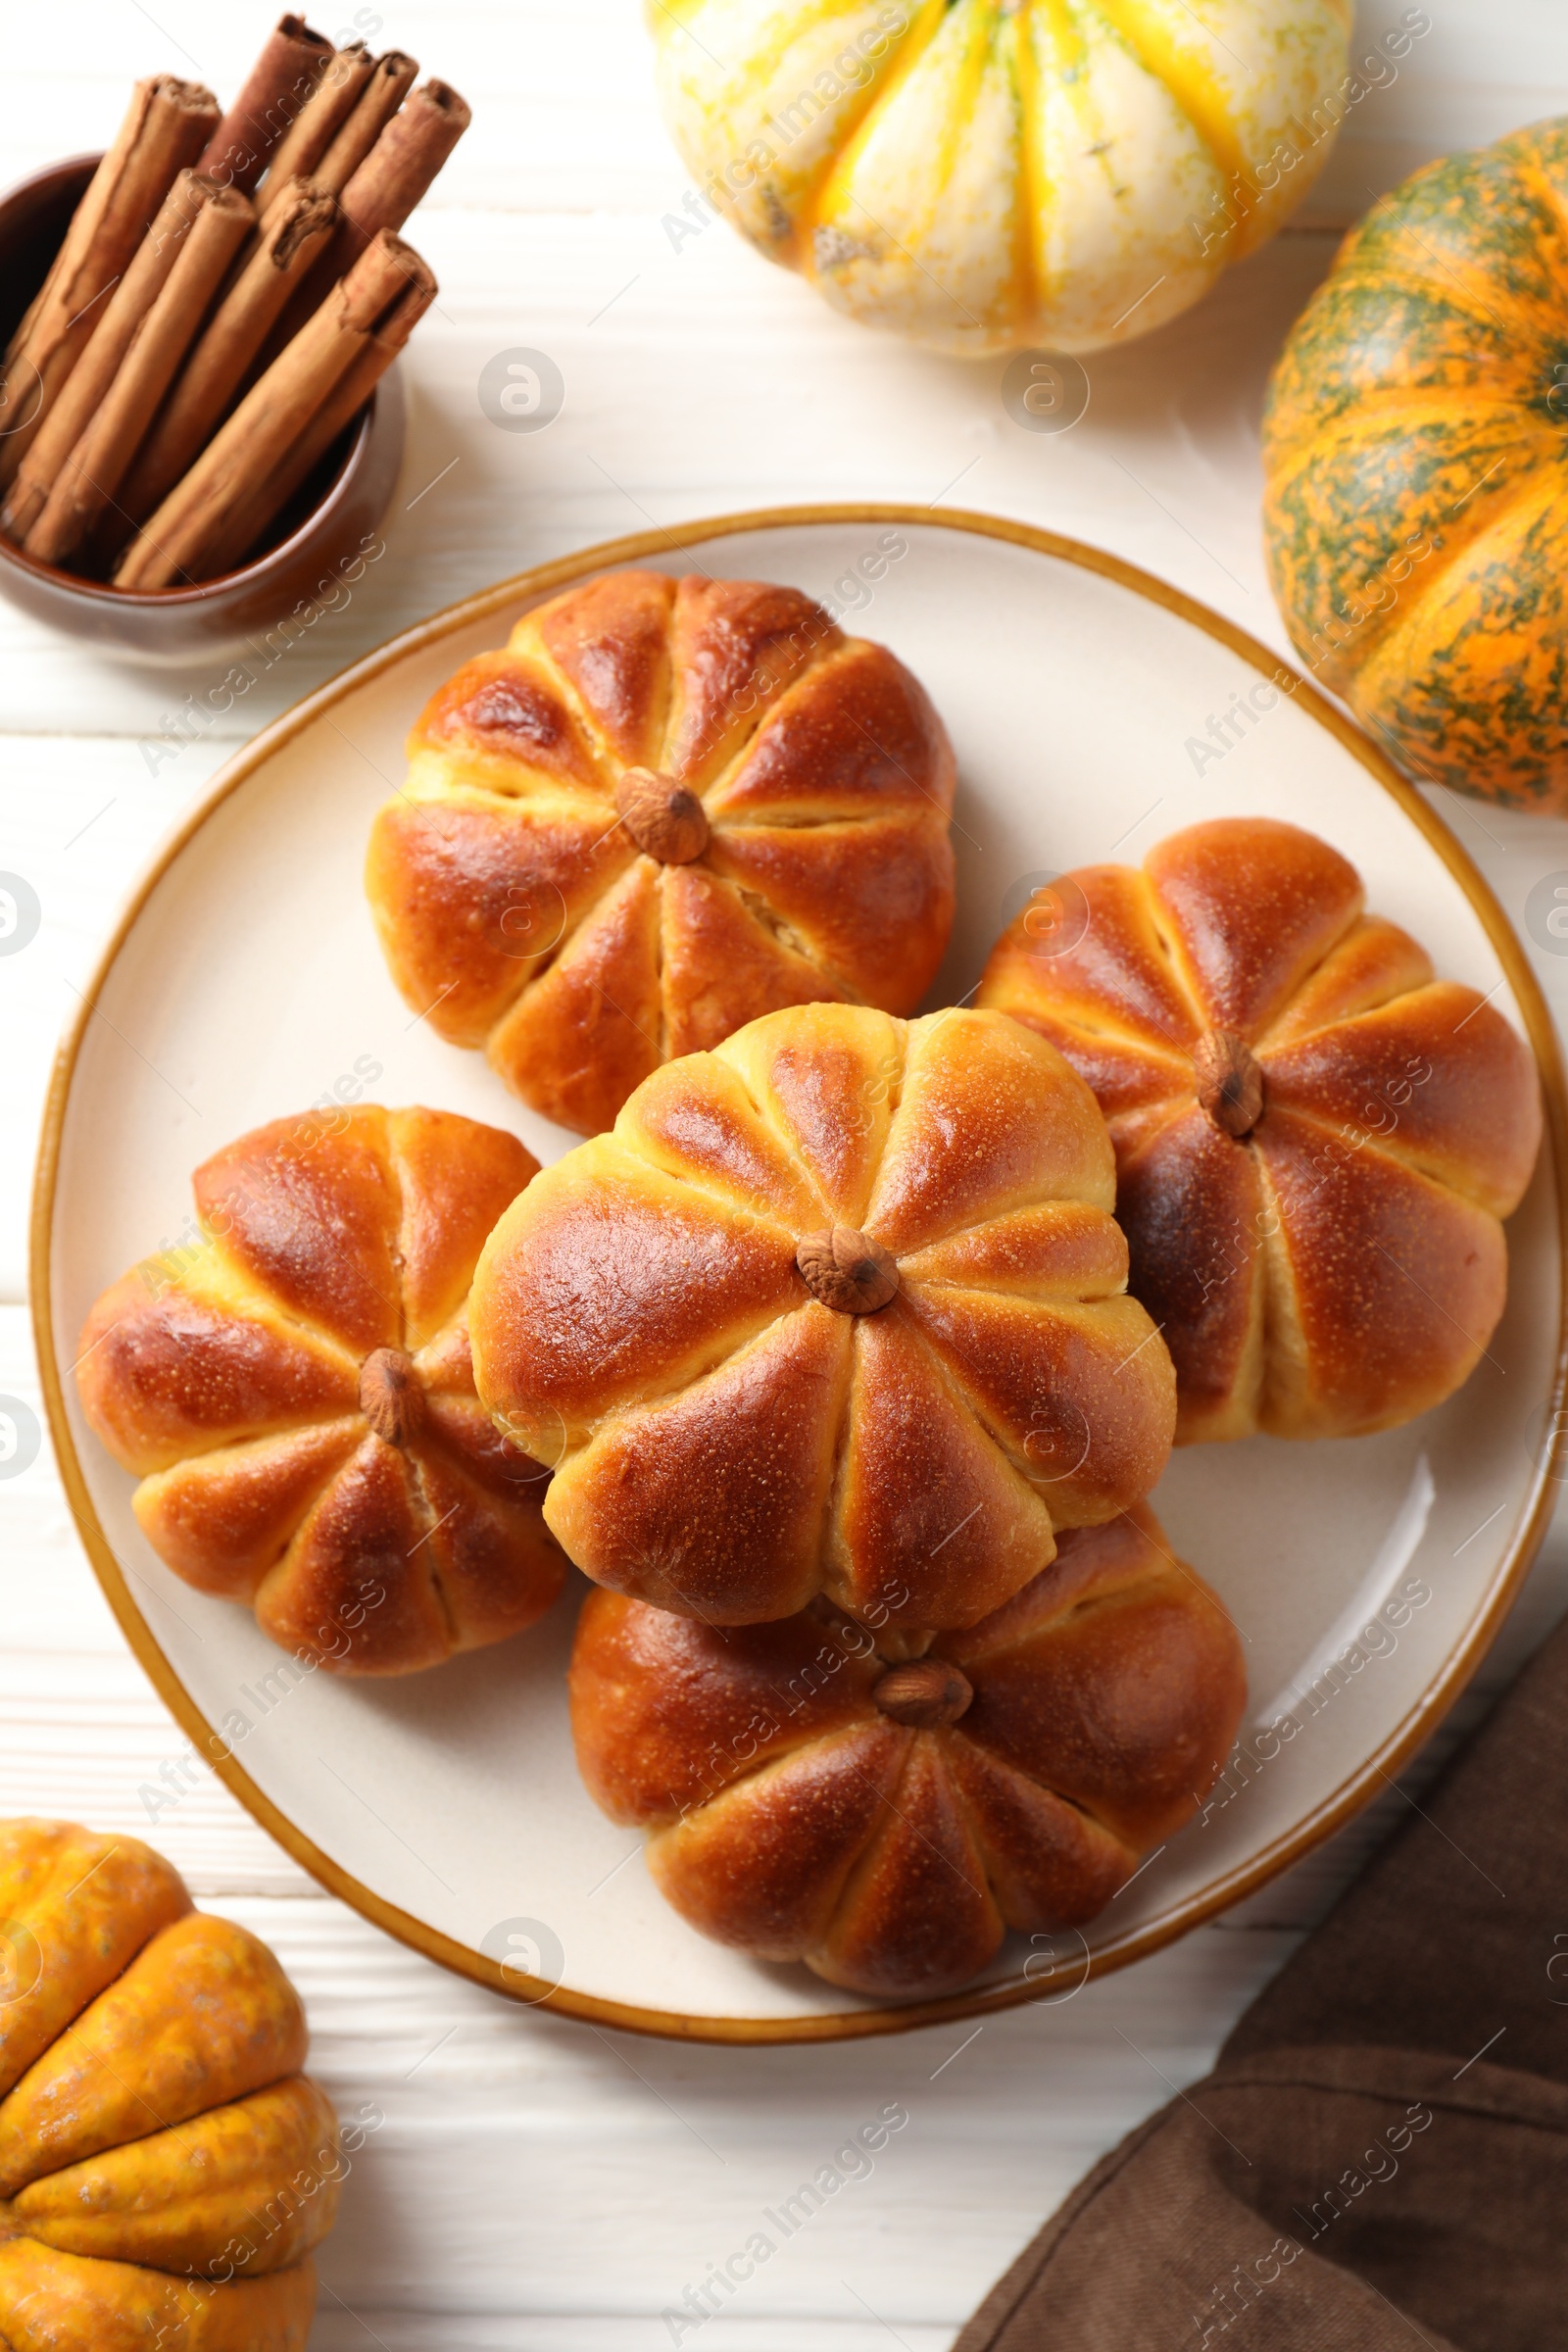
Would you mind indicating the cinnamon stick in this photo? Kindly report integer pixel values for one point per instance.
(303, 218)
(400, 168)
(175, 546)
(274, 94)
(391, 79)
(325, 113)
(168, 124)
(383, 191)
(88, 383)
(87, 483)
(338, 411)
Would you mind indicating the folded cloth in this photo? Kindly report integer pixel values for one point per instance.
(1380, 2157)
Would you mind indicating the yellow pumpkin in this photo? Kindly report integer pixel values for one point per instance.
(979, 175)
(1413, 456)
(165, 2167)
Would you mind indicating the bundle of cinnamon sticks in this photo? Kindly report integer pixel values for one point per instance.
(230, 292)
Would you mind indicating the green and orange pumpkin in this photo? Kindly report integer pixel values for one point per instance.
(1414, 440)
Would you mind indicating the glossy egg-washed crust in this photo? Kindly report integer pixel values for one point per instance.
(1413, 448)
(1342, 1267)
(226, 1375)
(1071, 173)
(790, 1817)
(165, 2167)
(518, 913)
(728, 1445)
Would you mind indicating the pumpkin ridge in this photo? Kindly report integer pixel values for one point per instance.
(1386, 233)
(1093, 1031)
(660, 1044)
(425, 1510)
(245, 1292)
(246, 1298)
(730, 1202)
(880, 90)
(824, 661)
(1552, 201)
(442, 777)
(996, 1287)
(759, 1768)
(864, 1862)
(533, 649)
(1394, 989)
(981, 49)
(1304, 979)
(783, 933)
(816, 657)
(777, 1131)
(1347, 676)
(1381, 1147)
(560, 952)
(160, 1479)
(998, 1763)
(241, 1282)
(1455, 289)
(952, 1377)
(386, 1154)
(775, 1225)
(1183, 979)
(1175, 1106)
(1321, 454)
(648, 1401)
(1032, 186)
(1267, 1244)
(838, 1573)
(1382, 661)
(1157, 50)
(557, 954)
(783, 820)
(1389, 402)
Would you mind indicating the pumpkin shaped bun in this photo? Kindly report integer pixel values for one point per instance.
(813, 1794)
(838, 1309)
(1316, 1139)
(294, 1391)
(664, 807)
(165, 2167)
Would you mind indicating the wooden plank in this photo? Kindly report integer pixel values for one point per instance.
(566, 119)
(79, 820)
(701, 379)
(561, 89)
(491, 2113)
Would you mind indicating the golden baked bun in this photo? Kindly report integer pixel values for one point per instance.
(664, 807)
(813, 1794)
(1315, 1139)
(295, 1393)
(839, 1307)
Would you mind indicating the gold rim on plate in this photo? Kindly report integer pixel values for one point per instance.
(1060, 1977)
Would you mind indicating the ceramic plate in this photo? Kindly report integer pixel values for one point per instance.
(245, 983)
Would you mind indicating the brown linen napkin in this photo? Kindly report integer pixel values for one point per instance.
(1380, 2158)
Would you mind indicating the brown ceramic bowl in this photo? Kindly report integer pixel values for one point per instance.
(322, 525)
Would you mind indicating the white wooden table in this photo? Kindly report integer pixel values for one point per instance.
(535, 2186)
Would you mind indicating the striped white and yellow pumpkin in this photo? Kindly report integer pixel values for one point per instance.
(979, 175)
